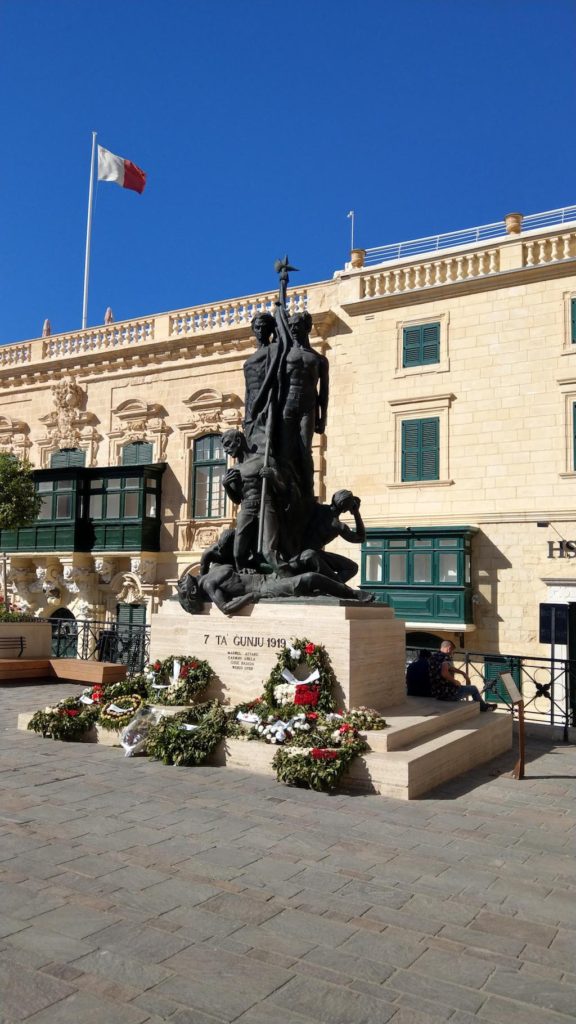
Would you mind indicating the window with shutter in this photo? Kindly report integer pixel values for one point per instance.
(209, 467)
(421, 449)
(68, 457)
(421, 345)
(138, 453)
(573, 320)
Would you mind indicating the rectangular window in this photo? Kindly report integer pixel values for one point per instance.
(421, 345)
(574, 436)
(573, 320)
(57, 499)
(209, 467)
(421, 449)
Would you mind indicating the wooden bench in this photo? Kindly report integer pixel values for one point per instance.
(7, 642)
(73, 669)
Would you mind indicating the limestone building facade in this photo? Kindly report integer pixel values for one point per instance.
(452, 414)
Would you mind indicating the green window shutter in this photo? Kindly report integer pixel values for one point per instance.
(420, 449)
(411, 349)
(138, 453)
(573, 312)
(410, 449)
(431, 343)
(67, 457)
(421, 345)
(430, 436)
(574, 436)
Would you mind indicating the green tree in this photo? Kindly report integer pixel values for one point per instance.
(19, 503)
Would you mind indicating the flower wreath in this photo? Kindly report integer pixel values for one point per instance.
(303, 678)
(178, 679)
(118, 712)
(318, 768)
(67, 720)
(188, 737)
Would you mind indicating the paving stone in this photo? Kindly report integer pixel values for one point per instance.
(25, 992)
(242, 908)
(74, 921)
(144, 943)
(459, 968)
(394, 946)
(535, 991)
(509, 1011)
(477, 939)
(331, 1004)
(436, 991)
(51, 945)
(123, 969)
(85, 1008)
(341, 963)
(530, 931)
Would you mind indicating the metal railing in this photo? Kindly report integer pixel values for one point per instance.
(124, 644)
(548, 685)
(433, 243)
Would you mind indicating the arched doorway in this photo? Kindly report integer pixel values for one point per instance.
(64, 634)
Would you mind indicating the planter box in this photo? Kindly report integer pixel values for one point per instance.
(37, 639)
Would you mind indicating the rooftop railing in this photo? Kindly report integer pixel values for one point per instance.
(433, 243)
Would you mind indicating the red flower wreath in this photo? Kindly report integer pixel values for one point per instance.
(307, 694)
(323, 754)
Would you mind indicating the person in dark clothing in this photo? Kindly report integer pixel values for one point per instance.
(418, 676)
(443, 679)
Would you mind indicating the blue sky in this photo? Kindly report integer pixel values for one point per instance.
(260, 124)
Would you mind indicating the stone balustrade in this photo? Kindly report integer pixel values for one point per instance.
(207, 319)
(236, 313)
(99, 339)
(430, 273)
(539, 251)
(15, 355)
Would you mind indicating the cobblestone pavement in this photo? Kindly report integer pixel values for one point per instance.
(133, 893)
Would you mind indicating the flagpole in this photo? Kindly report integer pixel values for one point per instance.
(351, 217)
(88, 235)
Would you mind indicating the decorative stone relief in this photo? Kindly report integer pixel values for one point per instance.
(137, 420)
(75, 577)
(105, 567)
(67, 426)
(144, 568)
(211, 412)
(128, 588)
(14, 438)
(47, 583)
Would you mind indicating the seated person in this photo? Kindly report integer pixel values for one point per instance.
(443, 682)
(418, 676)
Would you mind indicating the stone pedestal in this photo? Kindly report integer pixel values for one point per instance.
(366, 645)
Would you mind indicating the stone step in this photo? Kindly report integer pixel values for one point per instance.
(418, 718)
(409, 773)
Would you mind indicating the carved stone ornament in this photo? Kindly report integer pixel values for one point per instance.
(47, 583)
(144, 568)
(14, 438)
(105, 567)
(75, 577)
(211, 412)
(136, 420)
(128, 588)
(67, 426)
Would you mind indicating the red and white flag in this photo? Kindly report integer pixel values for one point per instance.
(123, 172)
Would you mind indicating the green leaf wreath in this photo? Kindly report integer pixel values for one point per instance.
(68, 720)
(192, 679)
(188, 737)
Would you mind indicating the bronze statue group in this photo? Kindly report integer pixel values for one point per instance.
(276, 549)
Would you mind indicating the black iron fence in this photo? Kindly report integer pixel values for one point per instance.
(548, 685)
(125, 644)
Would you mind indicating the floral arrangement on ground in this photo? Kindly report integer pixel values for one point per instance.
(188, 737)
(178, 679)
(69, 719)
(296, 712)
(117, 713)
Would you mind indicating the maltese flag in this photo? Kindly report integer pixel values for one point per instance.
(123, 172)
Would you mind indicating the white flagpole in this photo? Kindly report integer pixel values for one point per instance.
(351, 215)
(88, 235)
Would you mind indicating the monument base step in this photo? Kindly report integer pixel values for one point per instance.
(438, 746)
